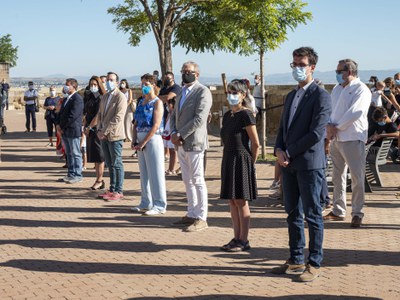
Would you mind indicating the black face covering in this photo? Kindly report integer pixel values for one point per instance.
(167, 82)
(188, 78)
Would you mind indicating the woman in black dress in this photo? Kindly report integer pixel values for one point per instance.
(93, 147)
(238, 176)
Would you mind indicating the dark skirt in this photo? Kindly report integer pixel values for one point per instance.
(93, 148)
(238, 176)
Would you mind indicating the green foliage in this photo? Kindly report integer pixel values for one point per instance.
(131, 19)
(240, 26)
(8, 53)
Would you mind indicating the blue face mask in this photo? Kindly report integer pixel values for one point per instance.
(383, 123)
(397, 81)
(66, 89)
(233, 99)
(339, 78)
(299, 73)
(146, 89)
(110, 85)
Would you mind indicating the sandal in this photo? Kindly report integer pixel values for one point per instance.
(240, 246)
(230, 245)
(98, 185)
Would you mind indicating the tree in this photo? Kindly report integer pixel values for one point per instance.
(245, 27)
(8, 53)
(139, 17)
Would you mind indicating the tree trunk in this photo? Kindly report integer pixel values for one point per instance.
(167, 66)
(263, 106)
(161, 55)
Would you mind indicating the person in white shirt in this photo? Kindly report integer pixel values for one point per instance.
(31, 101)
(348, 129)
(376, 99)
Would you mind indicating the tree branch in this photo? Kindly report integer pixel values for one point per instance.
(152, 21)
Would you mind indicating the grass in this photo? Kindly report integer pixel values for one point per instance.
(269, 158)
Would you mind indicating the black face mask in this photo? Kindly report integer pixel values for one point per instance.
(188, 78)
(167, 82)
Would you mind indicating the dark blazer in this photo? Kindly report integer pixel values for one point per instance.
(70, 116)
(304, 138)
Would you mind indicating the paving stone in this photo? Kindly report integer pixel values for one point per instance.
(58, 241)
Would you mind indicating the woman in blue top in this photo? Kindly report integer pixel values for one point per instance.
(50, 115)
(147, 130)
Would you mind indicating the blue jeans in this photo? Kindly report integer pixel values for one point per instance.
(30, 112)
(74, 156)
(301, 191)
(113, 157)
(152, 174)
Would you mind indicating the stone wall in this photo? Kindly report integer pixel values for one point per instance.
(275, 98)
(5, 72)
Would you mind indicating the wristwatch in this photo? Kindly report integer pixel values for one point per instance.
(179, 136)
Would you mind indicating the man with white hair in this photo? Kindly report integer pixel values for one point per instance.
(348, 130)
(189, 134)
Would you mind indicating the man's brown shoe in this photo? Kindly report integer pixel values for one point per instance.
(289, 268)
(198, 225)
(332, 217)
(185, 221)
(356, 222)
(309, 274)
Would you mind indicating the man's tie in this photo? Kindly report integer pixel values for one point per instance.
(185, 91)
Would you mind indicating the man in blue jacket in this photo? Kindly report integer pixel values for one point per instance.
(70, 127)
(300, 152)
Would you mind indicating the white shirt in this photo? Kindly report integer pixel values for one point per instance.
(349, 111)
(252, 104)
(185, 92)
(376, 98)
(69, 97)
(296, 100)
(257, 94)
(30, 93)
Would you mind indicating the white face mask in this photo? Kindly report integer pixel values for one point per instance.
(94, 89)
(31, 86)
(233, 99)
(123, 85)
(53, 93)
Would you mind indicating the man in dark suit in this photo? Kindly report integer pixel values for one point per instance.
(300, 151)
(70, 127)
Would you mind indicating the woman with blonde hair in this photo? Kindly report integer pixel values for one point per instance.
(130, 109)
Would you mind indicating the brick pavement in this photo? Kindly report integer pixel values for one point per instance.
(58, 242)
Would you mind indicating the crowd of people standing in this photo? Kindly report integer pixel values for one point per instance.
(171, 119)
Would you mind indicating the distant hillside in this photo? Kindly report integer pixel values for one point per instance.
(327, 77)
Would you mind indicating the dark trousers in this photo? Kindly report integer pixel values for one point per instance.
(30, 112)
(50, 123)
(301, 192)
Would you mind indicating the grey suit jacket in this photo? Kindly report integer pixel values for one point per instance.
(191, 121)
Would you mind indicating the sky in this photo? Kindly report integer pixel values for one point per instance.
(77, 38)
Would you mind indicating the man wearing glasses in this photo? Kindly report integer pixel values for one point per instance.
(189, 134)
(300, 152)
(348, 129)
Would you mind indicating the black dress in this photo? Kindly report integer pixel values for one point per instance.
(238, 176)
(93, 146)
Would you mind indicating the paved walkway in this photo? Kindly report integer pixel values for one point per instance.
(58, 241)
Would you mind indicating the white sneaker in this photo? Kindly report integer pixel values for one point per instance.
(67, 178)
(153, 212)
(137, 209)
(275, 185)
